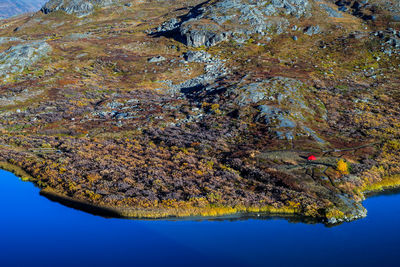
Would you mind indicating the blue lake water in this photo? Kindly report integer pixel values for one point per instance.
(38, 232)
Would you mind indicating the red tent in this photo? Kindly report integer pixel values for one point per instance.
(312, 157)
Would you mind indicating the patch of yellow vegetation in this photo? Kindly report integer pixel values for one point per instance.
(16, 170)
(389, 182)
(342, 167)
(334, 213)
(195, 207)
(207, 211)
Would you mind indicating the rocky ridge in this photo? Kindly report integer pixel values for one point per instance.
(215, 21)
(78, 7)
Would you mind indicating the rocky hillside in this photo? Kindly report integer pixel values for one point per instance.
(10, 8)
(77, 7)
(179, 108)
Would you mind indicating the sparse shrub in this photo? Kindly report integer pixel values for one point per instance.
(215, 109)
(92, 177)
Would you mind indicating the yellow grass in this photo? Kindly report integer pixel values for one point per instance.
(389, 182)
(16, 170)
(177, 209)
(208, 211)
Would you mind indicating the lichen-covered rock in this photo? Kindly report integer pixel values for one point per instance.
(20, 56)
(78, 7)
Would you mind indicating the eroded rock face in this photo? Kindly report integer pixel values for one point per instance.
(20, 56)
(78, 7)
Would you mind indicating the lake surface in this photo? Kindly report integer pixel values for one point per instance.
(38, 232)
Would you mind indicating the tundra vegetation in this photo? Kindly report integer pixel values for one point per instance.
(193, 108)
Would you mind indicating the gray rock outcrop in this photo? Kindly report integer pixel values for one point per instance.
(214, 68)
(21, 56)
(238, 19)
(351, 209)
(282, 106)
(156, 59)
(331, 12)
(78, 7)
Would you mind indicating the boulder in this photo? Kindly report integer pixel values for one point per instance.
(311, 30)
(156, 59)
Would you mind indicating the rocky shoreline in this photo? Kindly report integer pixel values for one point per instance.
(358, 211)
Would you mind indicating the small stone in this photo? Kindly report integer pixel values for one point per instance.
(312, 30)
(156, 59)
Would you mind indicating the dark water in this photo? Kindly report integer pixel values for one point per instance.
(38, 232)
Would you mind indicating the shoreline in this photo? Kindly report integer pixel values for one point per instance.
(390, 185)
(387, 184)
(154, 214)
(132, 213)
(246, 213)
